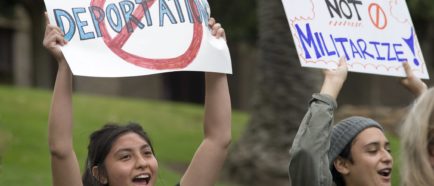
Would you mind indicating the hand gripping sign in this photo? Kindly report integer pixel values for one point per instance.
(116, 38)
(374, 36)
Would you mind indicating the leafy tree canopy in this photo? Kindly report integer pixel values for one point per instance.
(238, 17)
(421, 8)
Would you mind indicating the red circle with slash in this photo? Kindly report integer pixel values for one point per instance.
(116, 43)
(376, 13)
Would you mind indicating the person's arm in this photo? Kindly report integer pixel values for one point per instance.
(208, 160)
(309, 164)
(414, 84)
(64, 165)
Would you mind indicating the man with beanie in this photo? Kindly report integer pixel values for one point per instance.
(353, 152)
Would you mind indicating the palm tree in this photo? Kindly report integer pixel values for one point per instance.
(283, 89)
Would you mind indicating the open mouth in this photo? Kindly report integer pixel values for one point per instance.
(385, 172)
(142, 179)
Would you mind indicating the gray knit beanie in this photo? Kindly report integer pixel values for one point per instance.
(345, 131)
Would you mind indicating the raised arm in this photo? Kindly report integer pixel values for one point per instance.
(208, 160)
(309, 164)
(414, 84)
(64, 165)
(334, 79)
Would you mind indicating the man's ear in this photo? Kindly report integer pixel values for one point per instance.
(342, 165)
(98, 176)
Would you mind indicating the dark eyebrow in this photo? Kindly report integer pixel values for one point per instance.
(130, 150)
(145, 146)
(372, 144)
(122, 150)
(376, 143)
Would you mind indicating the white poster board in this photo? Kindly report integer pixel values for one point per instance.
(113, 38)
(374, 36)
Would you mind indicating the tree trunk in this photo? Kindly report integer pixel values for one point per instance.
(283, 90)
(428, 44)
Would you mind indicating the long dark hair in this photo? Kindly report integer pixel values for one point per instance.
(101, 141)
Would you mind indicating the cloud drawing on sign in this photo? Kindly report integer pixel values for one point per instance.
(396, 7)
(302, 5)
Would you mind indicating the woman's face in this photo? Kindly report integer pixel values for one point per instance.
(131, 162)
(372, 162)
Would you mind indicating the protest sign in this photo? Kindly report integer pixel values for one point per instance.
(374, 36)
(116, 38)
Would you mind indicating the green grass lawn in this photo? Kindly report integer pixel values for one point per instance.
(176, 131)
(394, 144)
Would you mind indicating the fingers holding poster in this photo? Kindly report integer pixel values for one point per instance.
(138, 37)
(368, 34)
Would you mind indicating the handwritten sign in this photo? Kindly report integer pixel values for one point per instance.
(374, 36)
(113, 38)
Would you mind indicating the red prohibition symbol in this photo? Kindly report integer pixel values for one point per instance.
(377, 14)
(115, 44)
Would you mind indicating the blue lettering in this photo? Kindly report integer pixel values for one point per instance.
(179, 10)
(201, 8)
(164, 10)
(365, 47)
(325, 46)
(81, 24)
(195, 11)
(59, 13)
(342, 40)
(354, 49)
(111, 8)
(97, 19)
(378, 52)
(189, 11)
(319, 43)
(389, 58)
(334, 44)
(307, 39)
(399, 53)
(128, 15)
(146, 10)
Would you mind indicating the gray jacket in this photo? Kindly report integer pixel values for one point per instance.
(309, 164)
